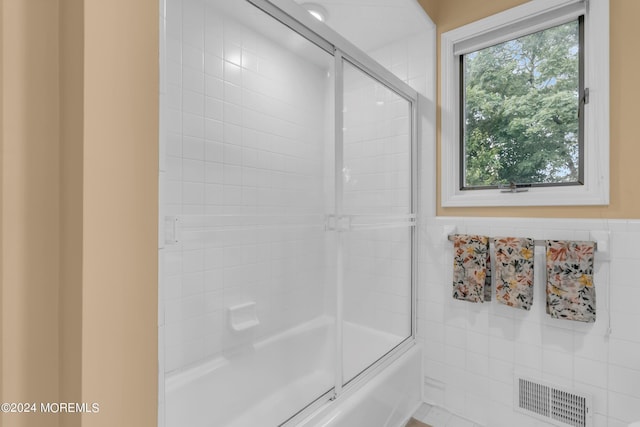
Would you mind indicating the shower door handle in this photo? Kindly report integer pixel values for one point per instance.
(171, 235)
(343, 223)
(337, 223)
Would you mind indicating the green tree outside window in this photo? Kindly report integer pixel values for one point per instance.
(520, 110)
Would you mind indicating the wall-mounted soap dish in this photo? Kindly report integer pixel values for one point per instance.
(243, 316)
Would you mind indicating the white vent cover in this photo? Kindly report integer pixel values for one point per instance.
(552, 404)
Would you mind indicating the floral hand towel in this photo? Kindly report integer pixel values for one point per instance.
(514, 271)
(570, 291)
(471, 268)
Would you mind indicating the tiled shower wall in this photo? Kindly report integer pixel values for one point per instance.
(244, 136)
(411, 59)
(473, 351)
(248, 132)
(377, 180)
(377, 162)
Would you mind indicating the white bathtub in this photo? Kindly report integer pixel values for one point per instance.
(387, 400)
(273, 379)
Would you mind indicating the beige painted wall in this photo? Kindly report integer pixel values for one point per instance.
(2, 138)
(624, 141)
(71, 203)
(120, 235)
(78, 194)
(78, 209)
(30, 207)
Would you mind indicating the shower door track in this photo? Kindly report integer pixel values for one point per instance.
(344, 51)
(324, 37)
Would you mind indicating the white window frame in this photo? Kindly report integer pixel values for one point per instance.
(533, 16)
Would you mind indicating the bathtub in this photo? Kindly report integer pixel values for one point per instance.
(273, 387)
(386, 400)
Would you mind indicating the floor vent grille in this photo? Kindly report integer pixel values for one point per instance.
(552, 404)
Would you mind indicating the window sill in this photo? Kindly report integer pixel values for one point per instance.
(539, 196)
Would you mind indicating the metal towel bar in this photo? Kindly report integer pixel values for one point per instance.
(536, 242)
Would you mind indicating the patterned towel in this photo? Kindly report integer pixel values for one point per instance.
(570, 291)
(514, 271)
(471, 268)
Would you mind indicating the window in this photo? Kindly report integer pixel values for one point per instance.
(520, 111)
(525, 109)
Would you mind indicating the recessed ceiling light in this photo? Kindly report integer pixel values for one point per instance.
(317, 11)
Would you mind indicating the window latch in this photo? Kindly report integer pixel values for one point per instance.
(513, 188)
(584, 100)
(585, 96)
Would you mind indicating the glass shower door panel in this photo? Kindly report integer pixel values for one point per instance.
(377, 295)
(378, 201)
(377, 147)
(251, 336)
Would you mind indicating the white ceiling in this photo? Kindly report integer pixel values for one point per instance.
(370, 24)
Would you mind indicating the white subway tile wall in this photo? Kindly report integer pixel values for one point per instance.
(377, 180)
(248, 132)
(245, 135)
(473, 351)
(409, 59)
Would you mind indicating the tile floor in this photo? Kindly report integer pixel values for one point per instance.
(415, 423)
(438, 417)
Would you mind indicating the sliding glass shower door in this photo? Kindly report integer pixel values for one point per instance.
(247, 332)
(288, 204)
(377, 199)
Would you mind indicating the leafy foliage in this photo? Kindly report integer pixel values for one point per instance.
(521, 110)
